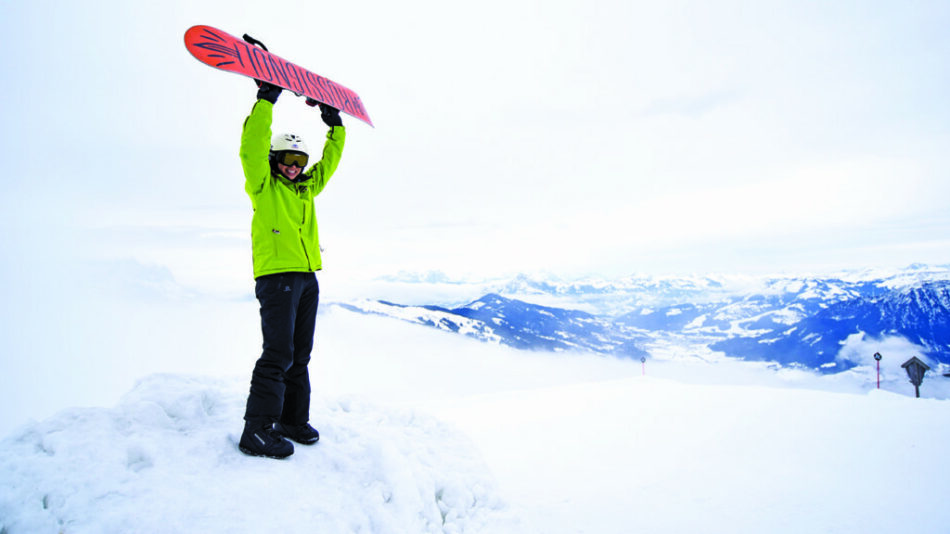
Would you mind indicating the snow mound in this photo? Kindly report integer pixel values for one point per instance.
(165, 459)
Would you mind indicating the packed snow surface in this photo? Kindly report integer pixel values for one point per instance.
(425, 431)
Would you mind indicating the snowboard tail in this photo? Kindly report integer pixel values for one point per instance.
(222, 50)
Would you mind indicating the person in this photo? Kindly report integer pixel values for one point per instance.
(286, 254)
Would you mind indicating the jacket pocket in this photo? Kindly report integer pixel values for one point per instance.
(275, 237)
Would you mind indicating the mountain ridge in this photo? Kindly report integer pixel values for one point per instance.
(794, 321)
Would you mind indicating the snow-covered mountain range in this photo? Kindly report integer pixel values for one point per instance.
(520, 324)
(802, 321)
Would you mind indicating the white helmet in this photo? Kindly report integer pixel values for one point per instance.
(288, 141)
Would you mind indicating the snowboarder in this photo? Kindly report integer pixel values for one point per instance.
(286, 253)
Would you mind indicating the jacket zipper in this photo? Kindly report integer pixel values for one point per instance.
(303, 221)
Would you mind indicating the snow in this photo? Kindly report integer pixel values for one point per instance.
(650, 455)
(696, 323)
(165, 460)
(426, 431)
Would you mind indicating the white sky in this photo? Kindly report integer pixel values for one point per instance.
(576, 137)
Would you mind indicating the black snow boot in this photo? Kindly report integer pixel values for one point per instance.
(264, 441)
(303, 434)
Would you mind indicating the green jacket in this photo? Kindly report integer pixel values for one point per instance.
(284, 228)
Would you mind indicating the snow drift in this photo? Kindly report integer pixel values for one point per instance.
(165, 460)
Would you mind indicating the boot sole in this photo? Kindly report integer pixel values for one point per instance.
(249, 452)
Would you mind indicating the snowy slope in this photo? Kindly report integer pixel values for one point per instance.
(427, 431)
(650, 455)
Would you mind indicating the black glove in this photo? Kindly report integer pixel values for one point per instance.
(267, 91)
(330, 116)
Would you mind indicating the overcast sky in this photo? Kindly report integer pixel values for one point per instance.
(601, 137)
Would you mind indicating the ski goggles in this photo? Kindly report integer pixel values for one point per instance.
(289, 158)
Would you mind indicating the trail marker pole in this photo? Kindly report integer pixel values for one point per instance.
(877, 356)
(643, 364)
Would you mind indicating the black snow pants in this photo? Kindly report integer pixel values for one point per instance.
(280, 383)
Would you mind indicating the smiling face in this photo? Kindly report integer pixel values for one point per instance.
(290, 163)
(291, 172)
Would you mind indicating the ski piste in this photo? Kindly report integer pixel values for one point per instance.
(224, 51)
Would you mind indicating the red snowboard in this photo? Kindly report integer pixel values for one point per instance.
(221, 50)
